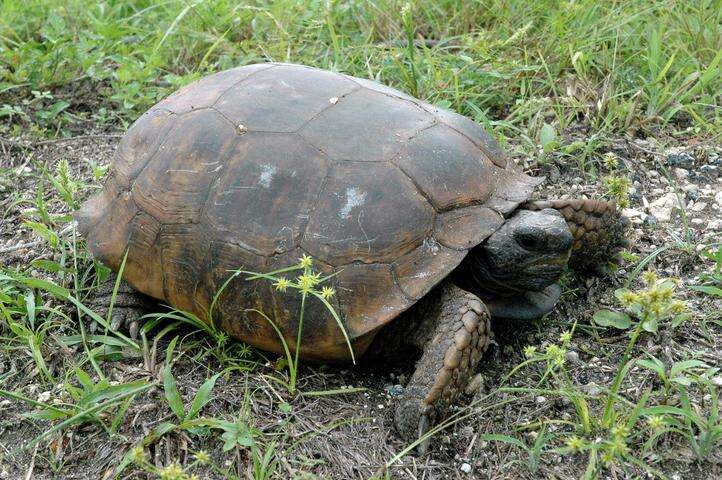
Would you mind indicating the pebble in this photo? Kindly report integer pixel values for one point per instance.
(677, 157)
(662, 207)
(698, 207)
(540, 400)
(572, 356)
(592, 389)
(718, 198)
(715, 225)
(717, 381)
(465, 467)
(394, 390)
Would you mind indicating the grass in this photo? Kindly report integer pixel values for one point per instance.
(560, 83)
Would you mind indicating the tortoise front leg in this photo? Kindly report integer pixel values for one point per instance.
(453, 333)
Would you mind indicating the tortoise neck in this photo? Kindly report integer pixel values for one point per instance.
(474, 275)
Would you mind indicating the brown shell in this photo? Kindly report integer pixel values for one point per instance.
(255, 166)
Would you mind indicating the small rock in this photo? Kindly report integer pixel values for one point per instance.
(681, 173)
(715, 225)
(696, 221)
(662, 207)
(698, 207)
(677, 157)
(632, 213)
(394, 390)
(44, 397)
(717, 381)
(718, 198)
(465, 467)
(540, 400)
(592, 389)
(572, 356)
(650, 220)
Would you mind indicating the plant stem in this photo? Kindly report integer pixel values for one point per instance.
(619, 376)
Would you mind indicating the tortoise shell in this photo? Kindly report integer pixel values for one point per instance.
(255, 166)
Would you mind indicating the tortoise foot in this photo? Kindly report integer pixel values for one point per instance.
(128, 306)
(459, 338)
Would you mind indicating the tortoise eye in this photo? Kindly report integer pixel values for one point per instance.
(526, 240)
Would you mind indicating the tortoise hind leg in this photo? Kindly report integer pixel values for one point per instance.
(453, 333)
(598, 229)
(128, 306)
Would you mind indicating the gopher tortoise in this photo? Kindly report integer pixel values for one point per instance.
(425, 223)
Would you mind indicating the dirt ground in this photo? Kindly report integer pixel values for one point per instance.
(351, 435)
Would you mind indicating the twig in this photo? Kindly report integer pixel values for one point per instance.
(19, 246)
(29, 473)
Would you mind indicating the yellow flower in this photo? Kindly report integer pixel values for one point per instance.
(628, 297)
(575, 443)
(202, 457)
(677, 307)
(306, 282)
(306, 261)
(282, 284)
(655, 422)
(529, 351)
(649, 277)
(327, 292)
(172, 472)
(565, 337)
(137, 454)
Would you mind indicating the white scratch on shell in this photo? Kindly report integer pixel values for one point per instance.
(267, 173)
(354, 198)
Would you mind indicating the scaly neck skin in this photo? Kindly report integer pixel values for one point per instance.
(474, 275)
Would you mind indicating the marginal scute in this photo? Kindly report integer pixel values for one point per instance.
(473, 132)
(175, 184)
(264, 196)
(448, 168)
(283, 99)
(94, 208)
(464, 228)
(234, 309)
(513, 189)
(369, 297)
(419, 270)
(183, 248)
(368, 213)
(143, 263)
(108, 239)
(366, 126)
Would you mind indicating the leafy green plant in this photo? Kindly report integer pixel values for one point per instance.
(712, 279)
(648, 307)
(172, 396)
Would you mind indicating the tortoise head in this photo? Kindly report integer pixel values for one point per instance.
(528, 252)
(516, 268)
